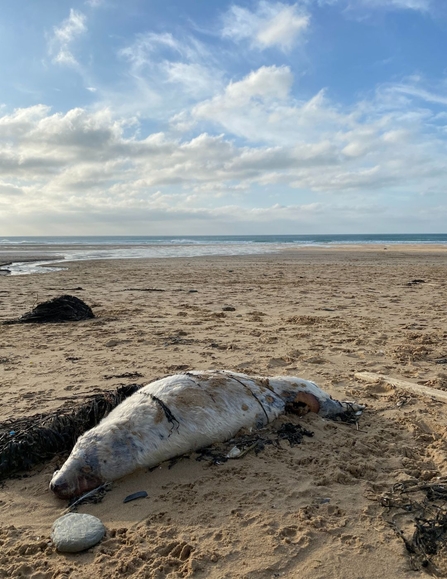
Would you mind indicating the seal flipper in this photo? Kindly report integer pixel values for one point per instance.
(345, 411)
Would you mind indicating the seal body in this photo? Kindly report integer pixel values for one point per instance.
(180, 414)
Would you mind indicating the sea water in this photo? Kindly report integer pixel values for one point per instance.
(77, 248)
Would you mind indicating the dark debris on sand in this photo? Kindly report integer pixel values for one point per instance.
(64, 308)
(219, 453)
(417, 512)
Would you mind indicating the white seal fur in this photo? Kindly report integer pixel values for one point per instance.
(180, 414)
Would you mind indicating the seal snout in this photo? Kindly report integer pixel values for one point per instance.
(60, 488)
(65, 486)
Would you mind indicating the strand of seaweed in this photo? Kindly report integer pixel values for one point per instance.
(218, 453)
(31, 440)
(422, 507)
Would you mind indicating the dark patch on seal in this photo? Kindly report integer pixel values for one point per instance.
(65, 308)
(170, 417)
(298, 408)
(200, 385)
(254, 396)
(263, 383)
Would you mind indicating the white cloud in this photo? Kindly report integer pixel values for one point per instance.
(166, 73)
(268, 82)
(389, 5)
(60, 44)
(252, 140)
(419, 5)
(273, 24)
(412, 89)
(252, 101)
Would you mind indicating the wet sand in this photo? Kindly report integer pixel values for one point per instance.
(311, 510)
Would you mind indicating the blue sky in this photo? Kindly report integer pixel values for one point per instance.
(197, 117)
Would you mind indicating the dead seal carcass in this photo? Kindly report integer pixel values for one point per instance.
(179, 414)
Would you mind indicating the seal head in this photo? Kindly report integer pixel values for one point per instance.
(77, 476)
(104, 453)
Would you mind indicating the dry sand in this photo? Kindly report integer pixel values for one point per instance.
(310, 511)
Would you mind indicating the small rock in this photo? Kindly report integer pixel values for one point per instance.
(234, 452)
(76, 532)
(228, 309)
(134, 496)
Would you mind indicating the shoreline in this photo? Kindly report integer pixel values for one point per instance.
(57, 255)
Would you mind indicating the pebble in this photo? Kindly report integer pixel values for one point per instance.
(75, 532)
(134, 496)
(234, 452)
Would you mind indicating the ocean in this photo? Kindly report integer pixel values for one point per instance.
(134, 247)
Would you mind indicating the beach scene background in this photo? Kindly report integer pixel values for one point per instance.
(256, 186)
(327, 312)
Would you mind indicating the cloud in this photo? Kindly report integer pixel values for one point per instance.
(245, 147)
(272, 24)
(419, 5)
(243, 104)
(414, 89)
(9, 191)
(60, 44)
(165, 73)
(389, 5)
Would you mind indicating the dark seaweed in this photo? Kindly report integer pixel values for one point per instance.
(218, 453)
(425, 504)
(65, 308)
(293, 433)
(171, 418)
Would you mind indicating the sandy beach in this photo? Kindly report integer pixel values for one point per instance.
(313, 511)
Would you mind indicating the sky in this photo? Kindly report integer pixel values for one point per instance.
(199, 117)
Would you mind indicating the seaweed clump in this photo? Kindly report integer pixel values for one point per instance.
(28, 441)
(64, 308)
(421, 509)
(221, 452)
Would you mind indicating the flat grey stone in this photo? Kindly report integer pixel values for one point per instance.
(75, 532)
